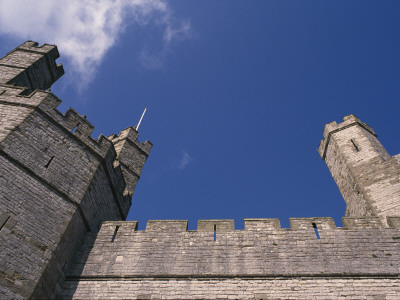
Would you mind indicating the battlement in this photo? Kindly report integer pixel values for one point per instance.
(167, 253)
(367, 176)
(132, 136)
(268, 224)
(331, 128)
(131, 156)
(57, 182)
(58, 185)
(72, 122)
(31, 66)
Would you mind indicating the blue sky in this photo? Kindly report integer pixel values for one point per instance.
(237, 92)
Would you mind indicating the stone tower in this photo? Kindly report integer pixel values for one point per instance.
(367, 176)
(57, 183)
(64, 197)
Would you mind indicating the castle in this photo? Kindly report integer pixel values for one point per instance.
(64, 197)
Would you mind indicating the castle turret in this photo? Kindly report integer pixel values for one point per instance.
(367, 176)
(31, 66)
(131, 156)
(57, 183)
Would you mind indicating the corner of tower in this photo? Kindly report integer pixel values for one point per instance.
(367, 176)
(31, 66)
(330, 128)
(131, 156)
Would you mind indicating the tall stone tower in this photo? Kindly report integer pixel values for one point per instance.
(367, 176)
(57, 183)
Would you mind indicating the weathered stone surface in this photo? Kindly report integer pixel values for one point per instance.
(56, 182)
(237, 288)
(64, 197)
(359, 261)
(131, 156)
(31, 66)
(367, 176)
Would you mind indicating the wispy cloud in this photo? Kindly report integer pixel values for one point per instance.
(186, 159)
(179, 32)
(86, 29)
(173, 31)
(150, 60)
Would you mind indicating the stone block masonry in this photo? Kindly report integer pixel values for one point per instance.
(57, 183)
(64, 197)
(166, 261)
(367, 176)
(31, 67)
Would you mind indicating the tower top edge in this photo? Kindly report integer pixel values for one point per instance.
(332, 127)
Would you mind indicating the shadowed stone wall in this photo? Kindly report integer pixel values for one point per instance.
(57, 183)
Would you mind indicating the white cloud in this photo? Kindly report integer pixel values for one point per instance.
(172, 33)
(185, 160)
(85, 30)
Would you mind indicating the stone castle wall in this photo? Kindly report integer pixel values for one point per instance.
(167, 261)
(57, 183)
(255, 288)
(52, 186)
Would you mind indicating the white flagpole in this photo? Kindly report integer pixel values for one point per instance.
(137, 127)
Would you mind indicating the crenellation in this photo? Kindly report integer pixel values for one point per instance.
(366, 222)
(131, 156)
(331, 128)
(18, 59)
(46, 103)
(167, 225)
(367, 176)
(262, 224)
(14, 95)
(72, 185)
(132, 135)
(81, 129)
(132, 225)
(308, 223)
(34, 46)
(265, 226)
(31, 66)
(64, 198)
(77, 123)
(242, 254)
(215, 225)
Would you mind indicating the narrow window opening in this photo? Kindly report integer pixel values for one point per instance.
(3, 220)
(115, 234)
(63, 267)
(355, 145)
(215, 233)
(75, 128)
(316, 230)
(49, 162)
